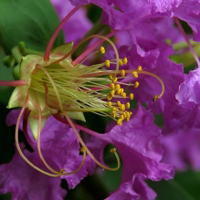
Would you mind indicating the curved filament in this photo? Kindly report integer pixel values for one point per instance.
(88, 151)
(18, 146)
(56, 32)
(25, 122)
(87, 51)
(54, 86)
(38, 137)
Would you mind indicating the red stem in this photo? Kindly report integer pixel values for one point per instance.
(55, 34)
(13, 83)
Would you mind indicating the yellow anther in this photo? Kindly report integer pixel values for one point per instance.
(112, 93)
(114, 80)
(155, 98)
(119, 122)
(118, 91)
(121, 117)
(102, 50)
(107, 63)
(118, 86)
(130, 113)
(114, 109)
(83, 149)
(125, 115)
(121, 63)
(122, 73)
(109, 97)
(62, 171)
(113, 150)
(124, 95)
(109, 104)
(121, 91)
(136, 85)
(135, 74)
(113, 115)
(128, 105)
(122, 108)
(125, 60)
(139, 68)
(119, 103)
(131, 96)
(112, 86)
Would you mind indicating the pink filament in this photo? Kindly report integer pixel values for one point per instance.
(187, 40)
(93, 133)
(91, 48)
(13, 83)
(55, 34)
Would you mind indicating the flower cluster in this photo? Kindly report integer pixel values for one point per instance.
(55, 91)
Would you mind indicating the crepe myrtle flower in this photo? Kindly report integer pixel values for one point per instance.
(54, 84)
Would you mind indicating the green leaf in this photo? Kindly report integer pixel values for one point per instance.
(184, 186)
(31, 21)
(5, 75)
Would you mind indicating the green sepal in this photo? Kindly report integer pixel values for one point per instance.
(14, 101)
(33, 122)
(63, 49)
(76, 115)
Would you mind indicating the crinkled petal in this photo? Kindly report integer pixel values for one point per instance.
(77, 26)
(25, 183)
(188, 89)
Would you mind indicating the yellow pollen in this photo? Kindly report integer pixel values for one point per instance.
(109, 104)
(155, 98)
(114, 109)
(128, 105)
(125, 115)
(83, 149)
(139, 68)
(119, 103)
(113, 115)
(131, 96)
(112, 93)
(109, 97)
(124, 95)
(120, 63)
(121, 117)
(102, 50)
(118, 91)
(118, 86)
(122, 73)
(136, 85)
(121, 91)
(119, 122)
(107, 63)
(135, 74)
(113, 150)
(114, 80)
(112, 86)
(122, 108)
(125, 60)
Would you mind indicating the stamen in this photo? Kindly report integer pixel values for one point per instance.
(17, 141)
(56, 32)
(187, 40)
(107, 63)
(136, 84)
(102, 50)
(88, 151)
(53, 84)
(13, 83)
(38, 136)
